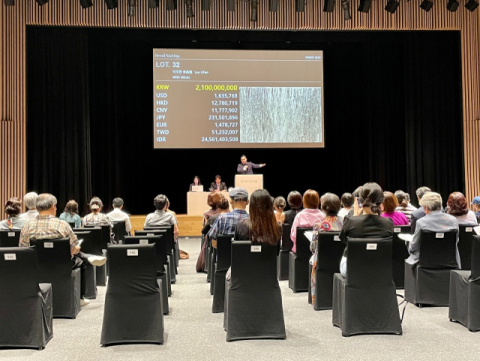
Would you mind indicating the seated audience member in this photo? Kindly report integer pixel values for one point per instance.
(218, 185)
(295, 201)
(70, 213)
(347, 204)
(390, 205)
(369, 224)
(213, 201)
(308, 217)
(118, 215)
(223, 207)
(161, 217)
(95, 218)
(330, 204)
(13, 208)
(357, 206)
(30, 201)
(457, 207)
(404, 205)
(419, 212)
(47, 226)
(476, 207)
(279, 205)
(196, 182)
(435, 220)
(227, 223)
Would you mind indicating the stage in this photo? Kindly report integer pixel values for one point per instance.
(189, 226)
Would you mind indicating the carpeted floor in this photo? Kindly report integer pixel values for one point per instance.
(192, 332)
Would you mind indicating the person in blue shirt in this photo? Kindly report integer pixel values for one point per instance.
(70, 214)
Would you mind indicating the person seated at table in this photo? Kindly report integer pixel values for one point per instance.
(369, 224)
(308, 217)
(347, 204)
(196, 182)
(457, 207)
(330, 205)
(279, 205)
(295, 202)
(389, 206)
(13, 222)
(161, 217)
(70, 214)
(218, 185)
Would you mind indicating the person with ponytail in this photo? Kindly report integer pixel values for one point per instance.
(13, 208)
(369, 224)
(404, 205)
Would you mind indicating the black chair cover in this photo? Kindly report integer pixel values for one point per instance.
(55, 267)
(465, 234)
(119, 231)
(133, 304)
(365, 301)
(26, 316)
(224, 260)
(254, 309)
(96, 249)
(286, 247)
(90, 270)
(298, 276)
(330, 251)
(171, 254)
(464, 301)
(428, 281)
(399, 255)
(9, 238)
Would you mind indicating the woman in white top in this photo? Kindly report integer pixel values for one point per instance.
(457, 207)
(96, 218)
(13, 208)
(347, 204)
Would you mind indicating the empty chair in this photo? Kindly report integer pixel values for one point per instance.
(105, 234)
(427, 282)
(365, 301)
(224, 247)
(9, 238)
(283, 257)
(330, 251)
(399, 255)
(133, 304)
(119, 231)
(55, 267)
(170, 249)
(298, 276)
(254, 303)
(98, 244)
(464, 302)
(465, 234)
(26, 317)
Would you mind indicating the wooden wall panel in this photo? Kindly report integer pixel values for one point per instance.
(409, 16)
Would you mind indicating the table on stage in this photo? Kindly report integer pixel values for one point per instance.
(197, 202)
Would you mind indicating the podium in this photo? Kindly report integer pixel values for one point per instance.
(197, 202)
(251, 182)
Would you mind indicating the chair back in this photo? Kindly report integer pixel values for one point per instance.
(96, 236)
(160, 247)
(287, 243)
(18, 275)
(369, 263)
(465, 237)
(169, 237)
(87, 243)
(224, 251)
(399, 255)
(254, 266)
(438, 250)
(9, 238)
(330, 252)
(475, 275)
(54, 258)
(105, 234)
(119, 230)
(303, 244)
(132, 269)
(71, 224)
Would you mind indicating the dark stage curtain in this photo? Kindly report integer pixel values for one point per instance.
(392, 115)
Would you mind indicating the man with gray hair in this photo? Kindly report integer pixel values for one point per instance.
(118, 215)
(419, 212)
(435, 220)
(30, 201)
(47, 226)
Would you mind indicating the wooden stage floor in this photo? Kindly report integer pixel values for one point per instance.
(189, 226)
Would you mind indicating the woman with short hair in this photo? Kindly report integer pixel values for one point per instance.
(13, 208)
(390, 205)
(213, 200)
(70, 214)
(294, 201)
(457, 207)
(347, 204)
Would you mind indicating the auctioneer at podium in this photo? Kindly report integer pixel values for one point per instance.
(247, 167)
(246, 179)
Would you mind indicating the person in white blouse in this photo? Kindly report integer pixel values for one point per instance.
(118, 215)
(457, 206)
(30, 201)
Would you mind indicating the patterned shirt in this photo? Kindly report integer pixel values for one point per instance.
(226, 223)
(46, 227)
(98, 219)
(329, 224)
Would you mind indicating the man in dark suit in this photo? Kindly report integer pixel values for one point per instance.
(246, 167)
(218, 185)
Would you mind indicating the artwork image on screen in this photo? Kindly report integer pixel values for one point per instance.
(237, 99)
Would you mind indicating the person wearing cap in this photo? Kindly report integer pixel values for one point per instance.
(247, 167)
(96, 218)
(476, 207)
(118, 215)
(227, 223)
